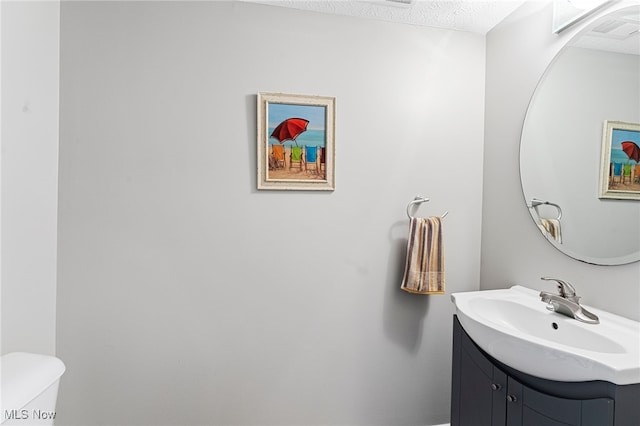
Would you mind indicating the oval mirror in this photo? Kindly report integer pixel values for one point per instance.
(586, 104)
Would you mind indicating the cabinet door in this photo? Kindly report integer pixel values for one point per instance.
(527, 407)
(478, 388)
(475, 394)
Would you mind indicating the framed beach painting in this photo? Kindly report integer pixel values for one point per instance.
(620, 165)
(296, 142)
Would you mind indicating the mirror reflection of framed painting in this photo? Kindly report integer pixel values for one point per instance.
(620, 166)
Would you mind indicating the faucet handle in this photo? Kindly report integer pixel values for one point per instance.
(565, 289)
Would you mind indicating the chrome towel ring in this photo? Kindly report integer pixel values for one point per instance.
(417, 201)
(535, 203)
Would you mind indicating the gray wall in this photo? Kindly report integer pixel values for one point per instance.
(185, 296)
(513, 250)
(30, 85)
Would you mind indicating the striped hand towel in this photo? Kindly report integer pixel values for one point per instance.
(424, 268)
(552, 228)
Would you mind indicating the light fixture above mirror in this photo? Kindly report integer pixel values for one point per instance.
(568, 12)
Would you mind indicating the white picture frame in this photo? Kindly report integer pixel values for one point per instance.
(295, 142)
(619, 173)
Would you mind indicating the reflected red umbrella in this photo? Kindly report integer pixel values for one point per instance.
(632, 150)
(290, 129)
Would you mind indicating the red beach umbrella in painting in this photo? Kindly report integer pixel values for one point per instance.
(290, 129)
(632, 150)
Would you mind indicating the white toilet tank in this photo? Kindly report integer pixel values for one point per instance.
(29, 388)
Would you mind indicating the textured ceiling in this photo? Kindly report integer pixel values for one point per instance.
(477, 16)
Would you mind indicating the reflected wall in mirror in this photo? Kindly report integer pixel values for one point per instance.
(594, 79)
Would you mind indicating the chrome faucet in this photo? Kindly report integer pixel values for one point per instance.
(566, 302)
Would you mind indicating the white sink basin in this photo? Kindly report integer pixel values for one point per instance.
(514, 327)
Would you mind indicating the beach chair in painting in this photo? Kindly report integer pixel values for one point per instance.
(615, 174)
(323, 162)
(295, 158)
(311, 158)
(626, 174)
(636, 174)
(276, 160)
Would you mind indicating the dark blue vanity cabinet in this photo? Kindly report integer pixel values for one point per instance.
(485, 392)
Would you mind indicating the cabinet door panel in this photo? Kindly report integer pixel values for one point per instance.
(499, 407)
(514, 404)
(539, 409)
(475, 394)
(533, 418)
(565, 411)
(598, 412)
